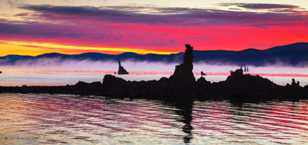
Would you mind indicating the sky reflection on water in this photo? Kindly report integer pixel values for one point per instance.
(71, 72)
(65, 119)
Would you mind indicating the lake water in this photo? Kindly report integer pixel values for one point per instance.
(50, 73)
(28, 119)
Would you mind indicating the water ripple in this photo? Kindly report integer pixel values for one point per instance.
(66, 119)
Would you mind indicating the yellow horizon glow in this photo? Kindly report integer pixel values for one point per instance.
(38, 48)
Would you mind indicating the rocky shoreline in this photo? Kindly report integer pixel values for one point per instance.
(181, 86)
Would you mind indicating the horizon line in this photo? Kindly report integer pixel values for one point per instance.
(105, 50)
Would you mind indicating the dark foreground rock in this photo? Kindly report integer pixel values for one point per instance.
(180, 87)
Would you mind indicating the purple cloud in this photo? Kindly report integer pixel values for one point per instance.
(170, 16)
(133, 27)
(35, 29)
(261, 6)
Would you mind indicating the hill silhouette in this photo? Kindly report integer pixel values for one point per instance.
(180, 87)
(292, 54)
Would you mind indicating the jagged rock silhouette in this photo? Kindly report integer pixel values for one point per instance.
(182, 82)
(181, 87)
(121, 69)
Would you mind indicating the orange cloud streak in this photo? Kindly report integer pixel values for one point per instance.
(37, 48)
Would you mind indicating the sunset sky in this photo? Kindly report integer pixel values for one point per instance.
(33, 27)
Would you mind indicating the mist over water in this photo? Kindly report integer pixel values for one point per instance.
(68, 119)
(55, 72)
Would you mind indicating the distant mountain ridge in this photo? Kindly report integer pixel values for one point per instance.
(292, 54)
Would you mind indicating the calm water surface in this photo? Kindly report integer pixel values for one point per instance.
(72, 72)
(64, 119)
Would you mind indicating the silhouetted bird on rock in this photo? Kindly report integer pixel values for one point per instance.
(180, 86)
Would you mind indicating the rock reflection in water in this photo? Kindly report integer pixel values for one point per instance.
(184, 110)
(58, 119)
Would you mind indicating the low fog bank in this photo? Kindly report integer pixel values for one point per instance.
(58, 62)
(58, 72)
